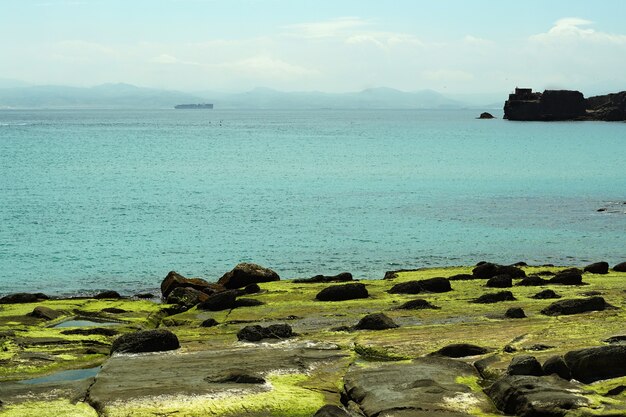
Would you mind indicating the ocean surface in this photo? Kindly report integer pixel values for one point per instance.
(102, 199)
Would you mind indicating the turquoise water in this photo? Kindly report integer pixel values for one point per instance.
(93, 200)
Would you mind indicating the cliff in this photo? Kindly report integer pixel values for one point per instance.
(553, 105)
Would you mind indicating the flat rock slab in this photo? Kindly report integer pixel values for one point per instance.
(422, 387)
(145, 378)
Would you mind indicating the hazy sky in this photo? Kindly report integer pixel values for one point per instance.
(457, 46)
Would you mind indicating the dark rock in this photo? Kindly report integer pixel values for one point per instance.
(331, 411)
(575, 306)
(617, 390)
(520, 263)
(22, 297)
(515, 313)
(495, 297)
(342, 277)
(174, 280)
(248, 302)
(107, 295)
(500, 281)
(486, 115)
(593, 364)
(532, 281)
(98, 331)
(556, 365)
(609, 107)
(145, 341)
(567, 277)
(621, 267)
(113, 310)
(186, 296)
(255, 333)
(590, 293)
(490, 270)
(209, 323)
(391, 275)
(546, 273)
(461, 277)
(534, 396)
(524, 365)
(252, 289)
(510, 349)
(343, 292)
(537, 347)
(616, 339)
(418, 304)
(436, 285)
(376, 321)
(235, 376)
(479, 263)
(460, 350)
(245, 274)
(547, 106)
(46, 313)
(225, 300)
(545, 295)
(598, 268)
(144, 295)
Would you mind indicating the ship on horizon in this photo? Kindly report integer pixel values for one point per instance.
(194, 106)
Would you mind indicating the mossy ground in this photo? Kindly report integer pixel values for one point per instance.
(421, 331)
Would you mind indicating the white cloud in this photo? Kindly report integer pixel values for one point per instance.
(384, 39)
(473, 40)
(576, 29)
(262, 65)
(170, 60)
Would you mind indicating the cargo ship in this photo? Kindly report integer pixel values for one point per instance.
(194, 106)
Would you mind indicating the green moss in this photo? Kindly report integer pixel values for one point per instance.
(52, 408)
(375, 353)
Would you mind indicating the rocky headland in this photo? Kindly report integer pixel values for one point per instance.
(559, 105)
(487, 340)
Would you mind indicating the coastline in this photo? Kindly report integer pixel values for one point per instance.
(323, 358)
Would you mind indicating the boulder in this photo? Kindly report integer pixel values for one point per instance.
(418, 304)
(486, 115)
(186, 296)
(252, 289)
(343, 292)
(536, 396)
(460, 350)
(331, 411)
(437, 285)
(488, 270)
(524, 365)
(593, 364)
(532, 280)
(174, 280)
(225, 300)
(515, 313)
(210, 322)
(461, 277)
(46, 313)
(144, 295)
(495, 297)
(556, 365)
(113, 310)
(500, 281)
(245, 274)
(23, 297)
(342, 277)
(621, 267)
(107, 295)
(598, 268)
(575, 306)
(145, 341)
(376, 321)
(248, 302)
(256, 332)
(567, 277)
(545, 295)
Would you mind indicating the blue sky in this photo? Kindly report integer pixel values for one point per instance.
(454, 46)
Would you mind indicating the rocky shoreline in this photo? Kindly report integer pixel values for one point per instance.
(486, 340)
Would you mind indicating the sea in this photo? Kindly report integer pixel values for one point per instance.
(93, 200)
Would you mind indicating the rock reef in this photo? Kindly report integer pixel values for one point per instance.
(560, 105)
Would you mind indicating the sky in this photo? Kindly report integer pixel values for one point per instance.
(451, 46)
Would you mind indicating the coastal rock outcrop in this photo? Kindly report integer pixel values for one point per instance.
(418, 304)
(621, 267)
(174, 280)
(23, 297)
(376, 321)
(486, 115)
(460, 350)
(145, 341)
(225, 300)
(495, 297)
(524, 365)
(608, 108)
(593, 364)
(245, 274)
(257, 332)
(436, 285)
(341, 277)
(598, 268)
(186, 296)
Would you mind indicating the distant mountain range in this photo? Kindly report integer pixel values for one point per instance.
(14, 94)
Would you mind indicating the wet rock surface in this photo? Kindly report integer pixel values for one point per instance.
(343, 292)
(256, 333)
(145, 341)
(593, 364)
(245, 274)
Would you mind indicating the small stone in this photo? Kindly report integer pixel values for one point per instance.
(376, 321)
(209, 323)
(515, 313)
(107, 295)
(495, 297)
(461, 350)
(598, 268)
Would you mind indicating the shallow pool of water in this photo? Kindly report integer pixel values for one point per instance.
(85, 323)
(71, 375)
